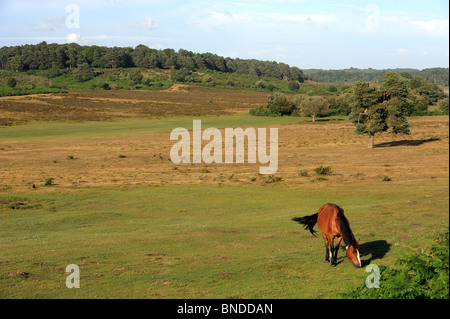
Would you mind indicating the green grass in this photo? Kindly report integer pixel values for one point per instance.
(42, 130)
(200, 241)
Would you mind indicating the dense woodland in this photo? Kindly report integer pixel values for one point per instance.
(45, 56)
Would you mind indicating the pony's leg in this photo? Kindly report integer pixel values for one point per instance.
(327, 255)
(336, 248)
(333, 259)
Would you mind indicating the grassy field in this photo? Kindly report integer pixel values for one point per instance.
(139, 226)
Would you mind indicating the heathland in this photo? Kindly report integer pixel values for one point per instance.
(86, 179)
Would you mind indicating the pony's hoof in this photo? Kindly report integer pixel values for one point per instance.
(333, 264)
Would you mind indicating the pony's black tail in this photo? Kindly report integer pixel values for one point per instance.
(308, 221)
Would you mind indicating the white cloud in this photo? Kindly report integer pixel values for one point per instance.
(433, 26)
(52, 23)
(149, 24)
(57, 21)
(41, 27)
(222, 19)
(100, 37)
(76, 38)
(402, 51)
(317, 18)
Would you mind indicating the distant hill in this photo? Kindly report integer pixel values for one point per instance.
(433, 75)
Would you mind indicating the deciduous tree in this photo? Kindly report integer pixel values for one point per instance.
(377, 109)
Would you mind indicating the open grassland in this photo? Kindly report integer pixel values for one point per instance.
(140, 226)
(203, 241)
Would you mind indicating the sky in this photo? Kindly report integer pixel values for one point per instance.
(320, 34)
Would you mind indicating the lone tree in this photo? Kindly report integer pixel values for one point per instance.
(377, 109)
(313, 106)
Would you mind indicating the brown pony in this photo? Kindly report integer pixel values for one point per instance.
(332, 223)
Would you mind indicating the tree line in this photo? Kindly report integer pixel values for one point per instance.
(433, 75)
(54, 56)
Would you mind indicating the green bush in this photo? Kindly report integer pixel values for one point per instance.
(273, 179)
(279, 103)
(11, 82)
(323, 170)
(422, 275)
(262, 111)
(293, 86)
(443, 105)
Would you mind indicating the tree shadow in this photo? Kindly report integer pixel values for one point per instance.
(328, 119)
(406, 142)
(377, 249)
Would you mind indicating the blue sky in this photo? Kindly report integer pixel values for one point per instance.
(307, 34)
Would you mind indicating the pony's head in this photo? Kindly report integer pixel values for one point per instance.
(353, 254)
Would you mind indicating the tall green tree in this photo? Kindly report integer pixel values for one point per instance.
(377, 109)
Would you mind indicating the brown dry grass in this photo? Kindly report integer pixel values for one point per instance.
(144, 159)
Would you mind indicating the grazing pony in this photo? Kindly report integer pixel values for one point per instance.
(332, 223)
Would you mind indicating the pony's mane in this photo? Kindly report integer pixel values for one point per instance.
(346, 232)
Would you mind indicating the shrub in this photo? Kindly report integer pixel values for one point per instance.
(443, 105)
(182, 75)
(49, 181)
(260, 85)
(136, 76)
(304, 173)
(278, 103)
(332, 89)
(273, 179)
(83, 73)
(323, 170)
(421, 275)
(293, 86)
(11, 82)
(261, 111)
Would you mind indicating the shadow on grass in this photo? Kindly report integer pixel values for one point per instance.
(376, 249)
(406, 142)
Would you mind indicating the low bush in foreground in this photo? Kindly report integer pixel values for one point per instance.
(422, 275)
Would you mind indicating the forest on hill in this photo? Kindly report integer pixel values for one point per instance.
(45, 56)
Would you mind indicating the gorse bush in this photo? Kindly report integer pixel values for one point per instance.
(423, 275)
(323, 170)
(262, 111)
